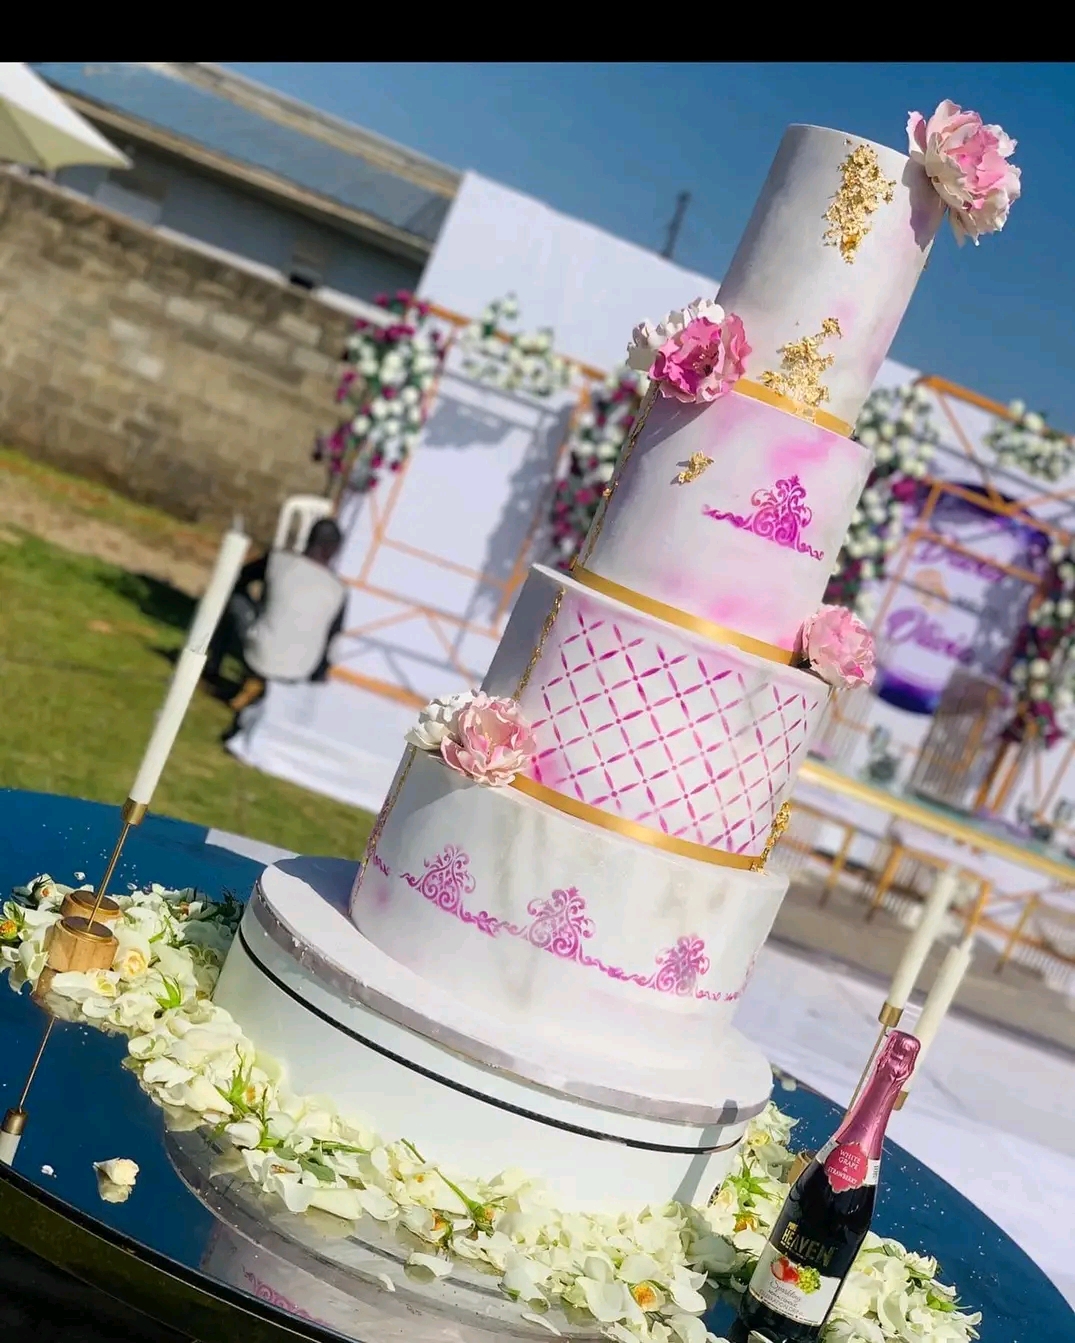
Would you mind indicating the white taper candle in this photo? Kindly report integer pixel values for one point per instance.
(941, 996)
(923, 937)
(188, 672)
(222, 581)
(9, 1145)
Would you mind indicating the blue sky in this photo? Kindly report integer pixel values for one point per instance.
(614, 143)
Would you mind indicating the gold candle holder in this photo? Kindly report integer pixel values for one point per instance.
(11, 1133)
(80, 904)
(77, 944)
(82, 940)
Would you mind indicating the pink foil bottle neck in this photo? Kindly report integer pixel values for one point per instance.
(865, 1123)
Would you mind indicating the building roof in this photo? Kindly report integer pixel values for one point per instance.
(256, 135)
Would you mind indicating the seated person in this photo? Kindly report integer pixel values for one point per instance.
(285, 635)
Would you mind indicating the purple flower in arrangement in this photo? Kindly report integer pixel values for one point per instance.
(904, 488)
(347, 380)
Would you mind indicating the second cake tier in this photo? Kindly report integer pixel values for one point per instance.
(652, 727)
(732, 510)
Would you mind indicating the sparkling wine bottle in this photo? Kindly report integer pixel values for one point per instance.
(827, 1213)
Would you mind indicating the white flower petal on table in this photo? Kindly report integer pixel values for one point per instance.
(606, 1301)
(534, 1318)
(378, 1204)
(688, 1328)
(431, 1263)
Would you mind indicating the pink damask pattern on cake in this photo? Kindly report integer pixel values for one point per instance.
(446, 879)
(379, 863)
(560, 926)
(780, 514)
(264, 1292)
(684, 741)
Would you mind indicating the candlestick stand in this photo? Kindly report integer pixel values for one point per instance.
(82, 940)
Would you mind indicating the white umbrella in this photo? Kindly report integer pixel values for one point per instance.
(39, 130)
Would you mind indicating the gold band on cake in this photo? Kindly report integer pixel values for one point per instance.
(822, 418)
(674, 616)
(644, 834)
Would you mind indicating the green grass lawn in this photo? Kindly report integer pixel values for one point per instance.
(85, 654)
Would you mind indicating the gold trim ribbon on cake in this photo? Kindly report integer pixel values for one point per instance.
(822, 418)
(644, 834)
(674, 616)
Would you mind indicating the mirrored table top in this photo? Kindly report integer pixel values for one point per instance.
(196, 1246)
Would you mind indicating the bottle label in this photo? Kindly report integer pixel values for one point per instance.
(789, 1286)
(847, 1166)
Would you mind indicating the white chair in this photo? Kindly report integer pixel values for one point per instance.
(297, 517)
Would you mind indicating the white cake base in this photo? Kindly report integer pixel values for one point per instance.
(472, 1092)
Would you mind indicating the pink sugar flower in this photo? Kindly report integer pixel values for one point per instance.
(839, 647)
(967, 162)
(703, 361)
(489, 741)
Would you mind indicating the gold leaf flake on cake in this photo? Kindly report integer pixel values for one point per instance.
(781, 821)
(696, 463)
(801, 367)
(863, 190)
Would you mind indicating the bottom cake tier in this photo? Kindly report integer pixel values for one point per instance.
(582, 934)
(474, 1092)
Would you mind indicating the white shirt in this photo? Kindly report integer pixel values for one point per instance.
(301, 603)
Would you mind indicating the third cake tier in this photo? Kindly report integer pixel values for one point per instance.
(652, 724)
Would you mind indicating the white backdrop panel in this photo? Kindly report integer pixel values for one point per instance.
(589, 287)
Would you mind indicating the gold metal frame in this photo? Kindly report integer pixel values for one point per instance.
(442, 624)
(952, 827)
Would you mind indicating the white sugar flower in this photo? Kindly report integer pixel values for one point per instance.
(436, 720)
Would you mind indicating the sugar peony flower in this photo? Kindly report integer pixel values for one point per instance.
(491, 741)
(647, 338)
(967, 162)
(703, 361)
(436, 720)
(839, 647)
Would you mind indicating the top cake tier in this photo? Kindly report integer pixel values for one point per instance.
(832, 254)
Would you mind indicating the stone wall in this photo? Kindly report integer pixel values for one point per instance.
(176, 378)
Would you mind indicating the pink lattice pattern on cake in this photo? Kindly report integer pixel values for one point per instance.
(700, 742)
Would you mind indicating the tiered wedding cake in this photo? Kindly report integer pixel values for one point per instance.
(564, 894)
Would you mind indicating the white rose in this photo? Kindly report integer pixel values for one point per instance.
(1039, 669)
(1017, 409)
(435, 721)
(133, 954)
(1034, 423)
